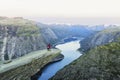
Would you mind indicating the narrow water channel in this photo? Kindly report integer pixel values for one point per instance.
(69, 50)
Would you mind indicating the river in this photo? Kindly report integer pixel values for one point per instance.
(69, 50)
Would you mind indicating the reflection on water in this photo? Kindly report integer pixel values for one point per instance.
(69, 50)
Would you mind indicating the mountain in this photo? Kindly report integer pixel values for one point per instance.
(106, 36)
(18, 37)
(99, 62)
(55, 33)
(63, 31)
(23, 52)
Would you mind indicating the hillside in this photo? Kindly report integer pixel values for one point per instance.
(103, 37)
(18, 37)
(100, 63)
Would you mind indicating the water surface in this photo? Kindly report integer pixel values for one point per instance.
(69, 50)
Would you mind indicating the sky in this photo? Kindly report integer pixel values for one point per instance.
(57, 9)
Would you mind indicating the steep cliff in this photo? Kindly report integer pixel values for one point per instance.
(18, 37)
(104, 37)
(100, 63)
(48, 34)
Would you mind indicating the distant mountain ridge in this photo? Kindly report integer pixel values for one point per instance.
(104, 37)
(56, 32)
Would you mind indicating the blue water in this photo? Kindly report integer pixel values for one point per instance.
(69, 50)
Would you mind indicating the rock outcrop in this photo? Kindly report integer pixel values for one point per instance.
(33, 63)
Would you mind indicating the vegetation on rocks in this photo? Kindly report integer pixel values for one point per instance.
(100, 63)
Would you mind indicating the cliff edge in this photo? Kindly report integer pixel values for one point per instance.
(26, 66)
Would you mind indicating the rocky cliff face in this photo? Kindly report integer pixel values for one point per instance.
(18, 37)
(104, 37)
(48, 34)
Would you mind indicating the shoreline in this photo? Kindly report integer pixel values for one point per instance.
(56, 59)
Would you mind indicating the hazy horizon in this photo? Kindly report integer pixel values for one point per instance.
(74, 20)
